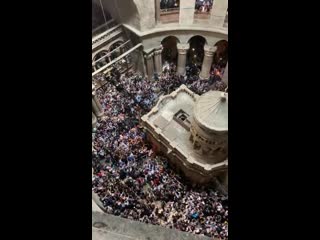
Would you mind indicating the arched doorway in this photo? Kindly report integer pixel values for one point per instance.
(169, 52)
(100, 59)
(116, 50)
(220, 57)
(196, 51)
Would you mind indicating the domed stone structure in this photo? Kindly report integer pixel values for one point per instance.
(192, 131)
(209, 126)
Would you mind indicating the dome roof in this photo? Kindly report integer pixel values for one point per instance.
(211, 111)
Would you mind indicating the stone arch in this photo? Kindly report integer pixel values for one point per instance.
(170, 52)
(113, 46)
(99, 55)
(193, 36)
(220, 57)
(116, 42)
(195, 53)
(119, 39)
(170, 36)
(106, 47)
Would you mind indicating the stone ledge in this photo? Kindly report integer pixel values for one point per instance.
(168, 28)
(106, 226)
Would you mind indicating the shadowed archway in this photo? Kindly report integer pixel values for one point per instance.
(170, 51)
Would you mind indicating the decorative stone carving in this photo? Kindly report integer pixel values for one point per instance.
(207, 61)
(96, 106)
(158, 59)
(182, 57)
(209, 126)
(199, 151)
(150, 64)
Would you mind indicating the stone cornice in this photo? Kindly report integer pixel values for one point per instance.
(168, 28)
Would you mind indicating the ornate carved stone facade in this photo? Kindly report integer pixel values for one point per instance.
(196, 142)
(209, 126)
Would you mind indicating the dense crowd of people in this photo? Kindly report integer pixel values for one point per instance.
(134, 183)
(203, 6)
(169, 4)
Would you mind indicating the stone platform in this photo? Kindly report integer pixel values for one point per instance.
(110, 227)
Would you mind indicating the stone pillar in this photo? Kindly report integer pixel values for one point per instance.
(141, 60)
(95, 98)
(225, 75)
(186, 15)
(218, 13)
(158, 60)
(182, 58)
(96, 106)
(225, 179)
(207, 61)
(157, 8)
(149, 63)
(94, 120)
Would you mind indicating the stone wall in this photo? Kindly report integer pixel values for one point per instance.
(154, 40)
(186, 12)
(141, 14)
(124, 11)
(97, 15)
(138, 61)
(146, 9)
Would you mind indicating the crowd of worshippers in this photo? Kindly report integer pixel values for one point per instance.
(134, 183)
(203, 5)
(169, 4)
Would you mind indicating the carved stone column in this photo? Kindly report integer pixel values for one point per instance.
(149, 63)
(144, 69)
(158, 60)
(207, 61)
(182, 58)
(95, 98)
(96, 106)
(157, 8)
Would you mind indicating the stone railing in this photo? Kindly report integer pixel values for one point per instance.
(112, 32)
(124, 46)
(169, 11)
(104, 27)
(105, 67)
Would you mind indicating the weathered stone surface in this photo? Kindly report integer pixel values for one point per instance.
(110, 227)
